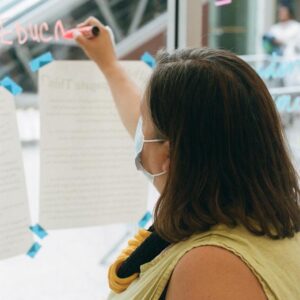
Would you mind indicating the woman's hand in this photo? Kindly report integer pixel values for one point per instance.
(100, 48)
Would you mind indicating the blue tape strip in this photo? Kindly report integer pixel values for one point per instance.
(38, 230)
(34, 250)
(144, 220)
(40, 61)
(11, 86)
(148, 59)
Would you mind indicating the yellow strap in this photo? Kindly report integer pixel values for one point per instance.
(116, 283)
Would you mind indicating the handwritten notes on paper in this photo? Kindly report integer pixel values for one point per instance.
(15, 237)
(88, 175)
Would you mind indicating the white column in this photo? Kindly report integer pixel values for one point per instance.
(266, 16)
(184, 23)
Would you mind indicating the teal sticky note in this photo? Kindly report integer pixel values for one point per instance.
(148, 59)
(38, 230)
(34, 250)
(11, 85)
(40, 61)
(144, 220)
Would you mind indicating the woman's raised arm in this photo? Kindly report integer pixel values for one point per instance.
(126, 93)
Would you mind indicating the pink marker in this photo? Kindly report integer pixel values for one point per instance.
(88, 31)
(222, 2)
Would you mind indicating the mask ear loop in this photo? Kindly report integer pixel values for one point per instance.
(163, 172)
(155, 140)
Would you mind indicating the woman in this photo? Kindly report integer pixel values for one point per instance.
(284, 35)
(226, 225)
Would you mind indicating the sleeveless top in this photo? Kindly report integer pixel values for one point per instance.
(275, 263)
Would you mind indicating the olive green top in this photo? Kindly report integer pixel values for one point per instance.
(276, 263)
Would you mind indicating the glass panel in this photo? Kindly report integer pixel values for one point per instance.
(129, 21)
(119, 15)
(17, 9)
(232, 26)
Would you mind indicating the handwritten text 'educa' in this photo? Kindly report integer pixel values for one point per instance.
(39, 33)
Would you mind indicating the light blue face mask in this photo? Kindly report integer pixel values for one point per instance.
(139, 143)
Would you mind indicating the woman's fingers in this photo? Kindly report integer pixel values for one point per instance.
(91, 21)
(79, 38)
(100, 48)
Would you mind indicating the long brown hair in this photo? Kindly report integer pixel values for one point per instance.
(229, 159)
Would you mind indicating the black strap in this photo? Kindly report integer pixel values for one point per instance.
(148, 250)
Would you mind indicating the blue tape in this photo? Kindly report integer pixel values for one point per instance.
(148, 59)
(144, 220)
(38, 230)
(11, 86)
(34, 249)
(40, 61)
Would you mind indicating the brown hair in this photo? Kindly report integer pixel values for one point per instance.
(229, 160)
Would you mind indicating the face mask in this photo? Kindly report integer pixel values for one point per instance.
(139, 143)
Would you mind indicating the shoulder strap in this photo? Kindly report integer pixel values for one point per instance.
(148, 250)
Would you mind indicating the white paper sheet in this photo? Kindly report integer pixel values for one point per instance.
(15, 235)
(88, 176)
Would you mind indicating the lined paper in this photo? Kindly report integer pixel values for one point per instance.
(88, 176)
(15, 236)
